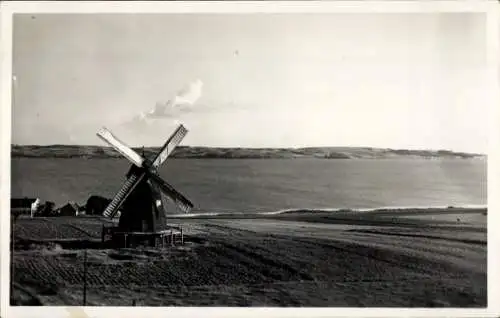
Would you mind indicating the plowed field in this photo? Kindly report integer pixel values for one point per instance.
(260, 262)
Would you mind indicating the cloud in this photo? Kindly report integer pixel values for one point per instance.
(180, 104)
(189, 95)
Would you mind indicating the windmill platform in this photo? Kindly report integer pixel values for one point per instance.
(160, 239)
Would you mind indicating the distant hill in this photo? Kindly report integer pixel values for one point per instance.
(70, 151)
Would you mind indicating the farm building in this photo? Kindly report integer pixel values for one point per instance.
(24, 205)
(70, 209)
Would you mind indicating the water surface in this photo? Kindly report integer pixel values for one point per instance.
(222, 185)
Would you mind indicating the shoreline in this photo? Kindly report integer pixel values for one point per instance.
(472, 208)
(199, 152)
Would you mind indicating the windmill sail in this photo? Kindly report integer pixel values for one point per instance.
(182, 202)
(126, 151)
(170, 145)
(122, 194)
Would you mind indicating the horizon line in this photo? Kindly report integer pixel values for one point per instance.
(240, 147)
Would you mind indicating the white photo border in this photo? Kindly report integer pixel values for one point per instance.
(490, 8)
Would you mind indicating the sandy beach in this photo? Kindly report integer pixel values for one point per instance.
(395, 258)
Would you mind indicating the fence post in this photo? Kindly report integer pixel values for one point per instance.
(85, 278)
(13, 223)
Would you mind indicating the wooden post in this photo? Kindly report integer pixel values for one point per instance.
(12, 258)
(85, 278)
(172, 237)
(182, 237)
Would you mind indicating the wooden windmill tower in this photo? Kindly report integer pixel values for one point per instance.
(143, 213)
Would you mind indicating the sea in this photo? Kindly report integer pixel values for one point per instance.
(267, 185)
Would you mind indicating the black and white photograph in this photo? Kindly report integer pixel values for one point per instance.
(190, 158)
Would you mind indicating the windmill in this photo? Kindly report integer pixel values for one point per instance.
(143, 214)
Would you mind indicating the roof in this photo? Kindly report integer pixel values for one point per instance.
(70, 205)
(22, 202)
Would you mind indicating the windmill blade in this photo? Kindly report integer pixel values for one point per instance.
(122, 148)
(122, 194)
(170, 145)
(182, 202)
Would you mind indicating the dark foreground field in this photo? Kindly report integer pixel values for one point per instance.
(384, 259)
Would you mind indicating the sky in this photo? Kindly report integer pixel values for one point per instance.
(414, 80)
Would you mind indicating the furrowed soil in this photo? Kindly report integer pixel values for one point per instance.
(304, 259)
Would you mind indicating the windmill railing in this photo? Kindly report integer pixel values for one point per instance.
(171, 236)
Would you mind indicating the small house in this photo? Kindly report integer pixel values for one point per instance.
(70, 209)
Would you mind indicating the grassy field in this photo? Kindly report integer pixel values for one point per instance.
(427, 258)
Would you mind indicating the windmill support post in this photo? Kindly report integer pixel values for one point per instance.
(160, 239)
